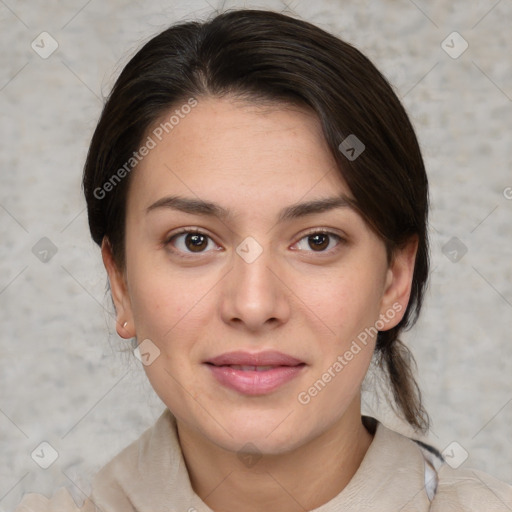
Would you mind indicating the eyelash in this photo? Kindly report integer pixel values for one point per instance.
(319, 231)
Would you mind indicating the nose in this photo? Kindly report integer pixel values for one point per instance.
(255, 297)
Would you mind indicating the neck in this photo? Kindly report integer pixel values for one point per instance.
(302, 479)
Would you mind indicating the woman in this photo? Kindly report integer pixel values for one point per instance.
(261, 204)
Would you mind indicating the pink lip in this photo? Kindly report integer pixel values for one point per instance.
(254, 382)
(266, 358)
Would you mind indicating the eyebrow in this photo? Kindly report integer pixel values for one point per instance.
(208, 208)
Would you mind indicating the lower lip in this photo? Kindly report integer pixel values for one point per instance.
(252, 382)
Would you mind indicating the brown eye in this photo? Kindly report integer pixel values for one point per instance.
(190, 242)
(196, 242)
(318, 242)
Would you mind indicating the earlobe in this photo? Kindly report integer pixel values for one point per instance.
(118, 289)
(399, 281)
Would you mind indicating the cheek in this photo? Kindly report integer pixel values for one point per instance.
(168, 310)
(154, 301)
(168, 303)
(346, 302)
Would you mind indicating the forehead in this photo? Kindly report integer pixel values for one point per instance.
(242, 155)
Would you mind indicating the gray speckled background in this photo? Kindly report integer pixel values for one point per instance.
(64, 377)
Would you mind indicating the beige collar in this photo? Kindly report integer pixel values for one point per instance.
(150, 475)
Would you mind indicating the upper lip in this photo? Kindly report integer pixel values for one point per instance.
(264, 358)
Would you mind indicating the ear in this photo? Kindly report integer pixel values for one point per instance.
(398, 284)
(125, 326)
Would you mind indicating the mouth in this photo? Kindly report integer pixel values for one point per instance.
(246, 368)
(255, 373)
(246, 360)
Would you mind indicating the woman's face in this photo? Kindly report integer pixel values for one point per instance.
(260, 326)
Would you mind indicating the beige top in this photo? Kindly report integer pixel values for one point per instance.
(396, 474)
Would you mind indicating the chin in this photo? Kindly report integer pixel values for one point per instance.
(266, 431)
(259, 443)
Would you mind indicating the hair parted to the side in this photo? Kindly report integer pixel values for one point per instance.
(264, 56)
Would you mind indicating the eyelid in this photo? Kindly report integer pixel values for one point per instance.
(327, 231)
(184, 230)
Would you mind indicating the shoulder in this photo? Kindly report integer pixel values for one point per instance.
(124, 479)
(462, 489)
(470, 490)
(105, 488)
(61, 500)
(106, 491)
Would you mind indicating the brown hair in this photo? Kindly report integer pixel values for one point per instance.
(267, 56)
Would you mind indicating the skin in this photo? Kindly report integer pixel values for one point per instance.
(308, 303)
